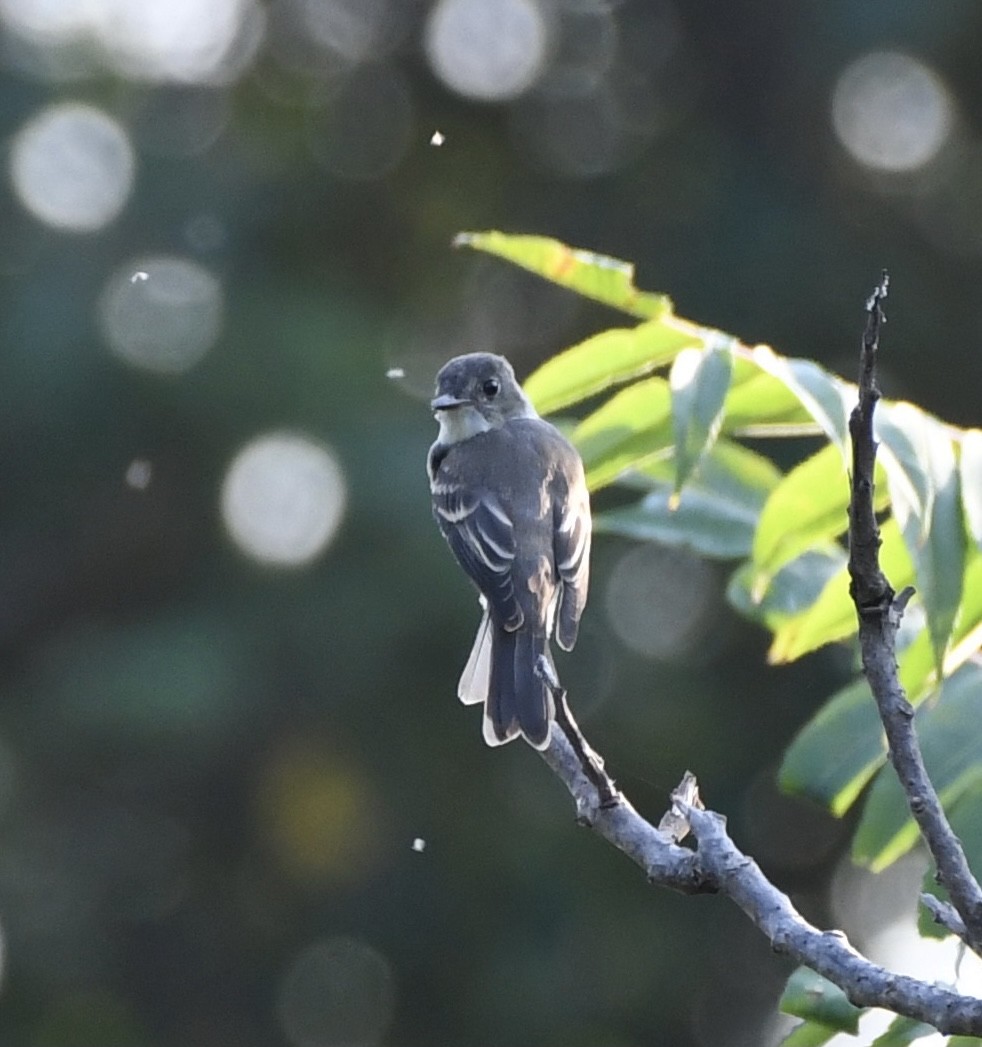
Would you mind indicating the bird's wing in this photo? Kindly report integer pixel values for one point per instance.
(571, 545)
(482, 538)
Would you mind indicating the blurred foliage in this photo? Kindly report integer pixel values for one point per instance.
(213, 767)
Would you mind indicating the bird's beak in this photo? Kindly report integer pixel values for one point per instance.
(446, 402)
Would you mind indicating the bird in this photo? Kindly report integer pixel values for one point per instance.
(510, 497)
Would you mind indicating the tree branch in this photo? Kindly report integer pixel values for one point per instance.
(944, 914)
(717, 865)
(880, 611)
(662, 860)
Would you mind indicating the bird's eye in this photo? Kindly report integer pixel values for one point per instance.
(491, 388)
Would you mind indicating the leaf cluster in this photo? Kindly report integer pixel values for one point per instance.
(673, 414)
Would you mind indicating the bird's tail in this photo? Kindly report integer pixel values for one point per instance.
(518, 702)
(476, 677)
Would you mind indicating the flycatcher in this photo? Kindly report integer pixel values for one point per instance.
(510, 498)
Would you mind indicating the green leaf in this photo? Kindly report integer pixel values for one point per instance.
(948, 730)
(971, 474)
(605, 360)
(902, 1032)
(633, 426)
(701, 522)
(840, 749)
(793, 589)
(833, 615)
(733, 470)
(824, 396)
(964, 1041)
(809, 1034)
(837, 752)
(760, 405)
(606, 280)
(810, 996)
(921, 471)
(916, 664)
(808, 507)
(717, 512)
(699, 380)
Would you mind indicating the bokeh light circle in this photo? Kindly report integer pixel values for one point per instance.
(491, 50)
(351, 29)
(336, 993)
(364, 129)
(283, 498)
(184, 41)
(162, 313)
(45, 20)
(318, 814)
(181, 41)
(891, 111)
(662, 603)
(577, 136)
(584, 48)
(72, 167)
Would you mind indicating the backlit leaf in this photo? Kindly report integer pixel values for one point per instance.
(833, 615)
(596, 276)
(760, 405)
(633, 426)
(809, 506)
(827, 398)
(605, 360)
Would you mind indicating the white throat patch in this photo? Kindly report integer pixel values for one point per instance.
(460, 423)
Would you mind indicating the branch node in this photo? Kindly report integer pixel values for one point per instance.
(685, 796)
(901, 600)
(944, 914)
(584, 817)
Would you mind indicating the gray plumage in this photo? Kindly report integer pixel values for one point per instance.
(510, 498)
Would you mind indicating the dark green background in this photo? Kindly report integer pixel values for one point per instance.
(207, 766)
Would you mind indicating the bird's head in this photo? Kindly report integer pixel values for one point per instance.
(477, 392)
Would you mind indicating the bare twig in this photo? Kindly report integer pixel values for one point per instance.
(717, 865)
(944, 914)
(662, 860)
(590, 760)
(880, 610)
